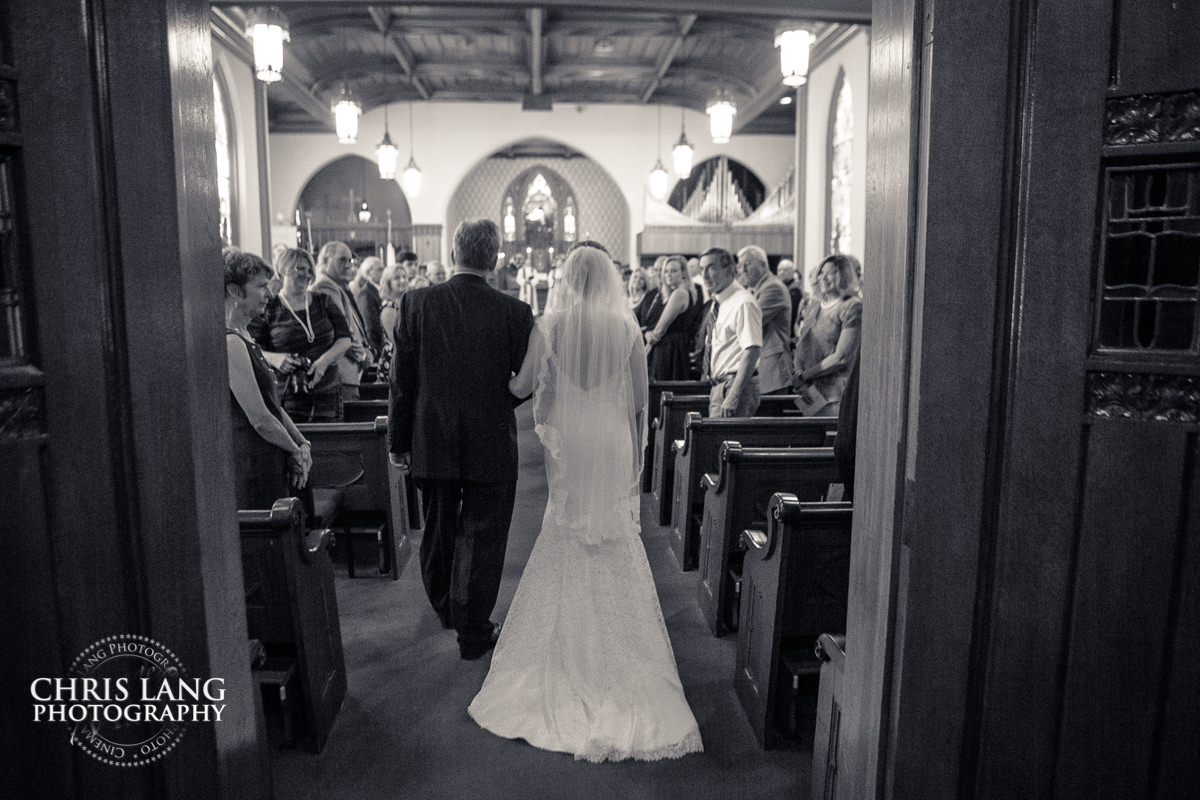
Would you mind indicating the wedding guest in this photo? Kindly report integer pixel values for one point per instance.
(271, 457)
(436, 273)
(775, 360)
(635, 287)
(335, 268)
(736, 338)
(302, 335)
(669, 342)
(392, 286)
(829, 333)
(787, 273)
(365, 288)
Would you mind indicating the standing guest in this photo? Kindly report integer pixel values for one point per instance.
(829, 333)
(693, 271)
(735, 340)
(670, 341)
(392, 286)
(271, 457)
(365, 288)
(302, 336)
(787, 273)
(775, 360)
(452, 423)
(335, 269)
(651, 307)
(436, 273)
(635, 287)
(408, 261)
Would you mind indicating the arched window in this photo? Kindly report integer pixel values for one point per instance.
(223, 124)
(838, 230)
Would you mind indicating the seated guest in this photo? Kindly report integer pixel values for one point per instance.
(365, 288)
(392, 287)
(670, 341)
(302, 336)
(271, 457)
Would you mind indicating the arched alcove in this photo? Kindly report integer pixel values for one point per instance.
(332, 201)
(719, 189)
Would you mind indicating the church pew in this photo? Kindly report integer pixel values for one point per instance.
(673, 411)
(736, 498)
(831, 651)
(291, 607)
(357, 492)
(698, 452)
(657, 388)
(795, 582)
(373, 391)
(363, 410)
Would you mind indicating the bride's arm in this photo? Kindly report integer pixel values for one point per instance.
(521, 384)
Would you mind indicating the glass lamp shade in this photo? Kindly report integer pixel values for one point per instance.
(659, 180)
(412, 178)
(364, 213)
(793, 55)
(268, 28)
(346, 112)
(681, 156)
(386, 154)
(720, 118)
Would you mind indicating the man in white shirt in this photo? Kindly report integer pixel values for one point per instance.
(775, 360)
(736, 338)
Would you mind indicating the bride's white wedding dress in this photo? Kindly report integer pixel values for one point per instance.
(584, 664)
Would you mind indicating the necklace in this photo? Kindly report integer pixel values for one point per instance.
(305, 326)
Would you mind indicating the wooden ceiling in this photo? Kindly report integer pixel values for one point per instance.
(566, 53)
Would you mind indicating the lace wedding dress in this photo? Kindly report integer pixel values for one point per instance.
(584, 664)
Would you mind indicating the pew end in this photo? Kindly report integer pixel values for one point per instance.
(831, 652)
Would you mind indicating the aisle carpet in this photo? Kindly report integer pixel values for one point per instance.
(404, 731)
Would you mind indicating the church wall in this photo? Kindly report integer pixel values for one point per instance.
(451, 139)
(240, 83)
(852, 59)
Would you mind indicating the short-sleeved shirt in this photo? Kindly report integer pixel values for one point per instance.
(277, 330)
(738, 327)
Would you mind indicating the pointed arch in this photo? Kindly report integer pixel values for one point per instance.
(839, 167)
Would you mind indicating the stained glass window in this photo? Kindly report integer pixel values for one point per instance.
(841, 168)
(224, 161)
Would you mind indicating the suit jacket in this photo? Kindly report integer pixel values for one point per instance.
(457, 345)
(775, 360)
(369, 305)
(347, 369)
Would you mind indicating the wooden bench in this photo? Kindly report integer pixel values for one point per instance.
(363, 410)
(356, 492)
(657, 388)
(794, 587)
(673, 411)
(291, 607)
(698, 453)
(373, 391)
(737, 498)
(831, 651)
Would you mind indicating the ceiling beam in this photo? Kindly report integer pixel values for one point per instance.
(537, 18)
(229, 32)
(664, 63)
(383, 21)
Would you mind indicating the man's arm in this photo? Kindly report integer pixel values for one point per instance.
(403, 382)
(746, 367)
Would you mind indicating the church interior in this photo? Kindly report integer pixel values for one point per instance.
(1004, 602)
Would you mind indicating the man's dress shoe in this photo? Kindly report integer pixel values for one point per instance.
(472, 652)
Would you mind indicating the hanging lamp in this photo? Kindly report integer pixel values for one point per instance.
(268, 28)
(794, 44)
(346, 111)
(412, 173)
(658, 176)
(722, 108)
(385, 152)
(681, 154)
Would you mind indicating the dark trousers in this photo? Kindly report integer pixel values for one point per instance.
(462, 551)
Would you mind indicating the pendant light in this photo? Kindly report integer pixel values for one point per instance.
(658, 176)
(386, 152)
(722, 108)
(412, 173)
(681, 154)
(268, 28)
(794, 44)
(346, 111)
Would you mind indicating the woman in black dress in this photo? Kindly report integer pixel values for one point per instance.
(670, 340)
(302, 335)
(271, 457)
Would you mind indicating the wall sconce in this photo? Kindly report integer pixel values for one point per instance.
(268, 27)
(346, 111)
(793, 47)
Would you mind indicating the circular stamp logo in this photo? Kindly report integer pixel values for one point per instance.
(127, 700)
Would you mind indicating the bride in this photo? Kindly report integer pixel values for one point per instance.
(583, 664)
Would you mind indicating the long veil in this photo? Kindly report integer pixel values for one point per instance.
(586, 405)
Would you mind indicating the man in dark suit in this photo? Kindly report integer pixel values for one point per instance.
(452, 422)
(365, 288)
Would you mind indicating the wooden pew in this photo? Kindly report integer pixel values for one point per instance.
(831, 651)
(373, 391)
(673, 411)
(698, 453)
(794, 586)
(657, 388)
(291, 607)
(363, 496)
(736, 498)
(363, 410)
